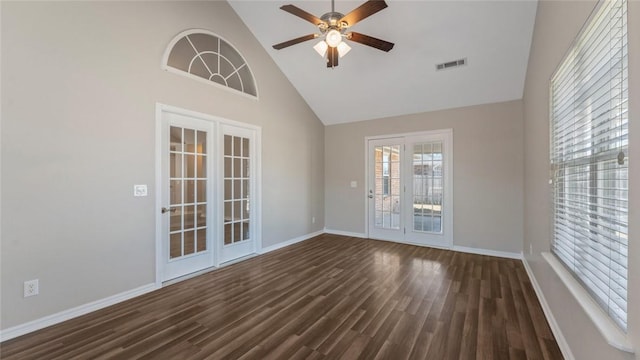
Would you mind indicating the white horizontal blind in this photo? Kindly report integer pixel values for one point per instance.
(589, 158)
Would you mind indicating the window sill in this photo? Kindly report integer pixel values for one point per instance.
(609, 330)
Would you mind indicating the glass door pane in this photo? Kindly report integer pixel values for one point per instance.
(187, 192)
(236, 189)
(427, 187)
(385, 193)
(386, 186)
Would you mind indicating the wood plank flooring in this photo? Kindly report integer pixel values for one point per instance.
(331, 297)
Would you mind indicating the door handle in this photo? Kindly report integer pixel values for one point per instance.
(165, 210)
(370, 196)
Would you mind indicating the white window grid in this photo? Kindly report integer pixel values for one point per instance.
(237, 207)
(188, 204)
(207, 56)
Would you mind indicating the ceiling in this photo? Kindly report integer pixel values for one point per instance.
(494, 37)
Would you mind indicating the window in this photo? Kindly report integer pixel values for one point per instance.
(589, 159)
(204, 55)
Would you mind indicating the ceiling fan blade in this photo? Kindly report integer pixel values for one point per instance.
(298, 40)
(370, 41)
(332, 57)
(292, 9)
(364, 11)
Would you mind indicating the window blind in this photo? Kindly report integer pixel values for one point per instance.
(589, 158)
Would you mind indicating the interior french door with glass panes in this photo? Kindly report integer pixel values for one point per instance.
(239, 227)
(186, 178)
(208, 193)
(410, 188)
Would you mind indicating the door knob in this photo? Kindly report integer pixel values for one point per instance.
(165, 210)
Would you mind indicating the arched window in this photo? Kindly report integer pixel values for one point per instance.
(203, 55)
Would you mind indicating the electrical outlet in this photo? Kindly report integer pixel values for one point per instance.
(530, 249)
(31, 288)
(313, 220)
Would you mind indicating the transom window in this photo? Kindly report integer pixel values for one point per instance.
(204, 55)
(589, 159)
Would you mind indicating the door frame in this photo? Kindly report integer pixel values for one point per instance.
(447, 135)
(214, 187)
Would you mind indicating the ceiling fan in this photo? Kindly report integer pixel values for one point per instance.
(333, 27)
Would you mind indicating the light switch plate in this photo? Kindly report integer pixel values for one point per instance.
(354, 184)
(140, 190)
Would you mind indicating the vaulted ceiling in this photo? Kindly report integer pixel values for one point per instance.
(493, 36)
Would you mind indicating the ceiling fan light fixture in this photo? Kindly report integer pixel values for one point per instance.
(321, 48)
(332, 26)
(334, 38)
(343, 49)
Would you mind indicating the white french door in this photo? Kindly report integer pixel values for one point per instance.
(186, 169)
(208, 192)
(385, 188)
(238, 189)
(410, 188)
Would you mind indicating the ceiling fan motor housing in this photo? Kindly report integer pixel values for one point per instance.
(331, 20)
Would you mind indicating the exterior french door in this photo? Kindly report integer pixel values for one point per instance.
(386, 189)
(186, 182)
(410, 188)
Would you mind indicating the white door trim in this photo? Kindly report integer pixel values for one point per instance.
(218, 122)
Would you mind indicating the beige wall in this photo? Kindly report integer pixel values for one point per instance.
(557, 24)
(80, 81)
(487, 172)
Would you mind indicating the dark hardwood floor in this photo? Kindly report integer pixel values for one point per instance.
(331, 297)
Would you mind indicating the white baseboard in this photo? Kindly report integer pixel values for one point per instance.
(65, 315)
(298, 239)
(502, 254)
(478, 251)
(57, 318)
(555, 328)
(345, 233)
(53, 319)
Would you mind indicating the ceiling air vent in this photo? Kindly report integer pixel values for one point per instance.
(451, 64)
